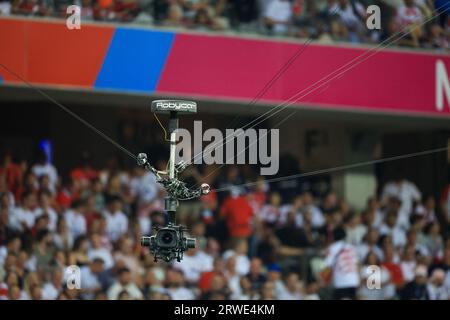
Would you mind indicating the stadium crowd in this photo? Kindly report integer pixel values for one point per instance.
(267, 241)
(322, 20)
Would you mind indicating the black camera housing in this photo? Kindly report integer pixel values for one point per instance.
(168, 243)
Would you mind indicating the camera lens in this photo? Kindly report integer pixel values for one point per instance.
(145, 241)
(167, 238)
(190, 243)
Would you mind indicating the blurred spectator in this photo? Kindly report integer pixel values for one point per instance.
(342, 261)
(354, 229)
(240, 252)
(256, 275)
(245, 14)
(292, 289)
(174, 16)
(326, 21)
(194, 263)
(391, 262)
(408, 264)
(409, 14)
(238, 214)
(10, 174)
(438, 38)
(45, 210)
(44, 168)
(75, 219)
(437, 290)
(407, 193)
(277, 17)
(116, 220)
(370, 244)
(175, 285)
(63, 238)
(98, 251)
(416, 289)
(271, 212)
(89, 274)
(392, 229)
(351, 14)
(269, 251)
(24, 217)
(124, 283)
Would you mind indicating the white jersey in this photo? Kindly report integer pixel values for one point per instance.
(342, 258)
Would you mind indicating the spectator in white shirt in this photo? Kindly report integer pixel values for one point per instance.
(175, 285)
(292, 288)
(46, 209)
(144, 186)
(75, 219)
(90, 283)
(278, 16)
(51, 289)
(436, 286)
(318, 219)
(45, 168)
(195, 262)
(127, 255)
(124, 283)
(409, 14)
(23, 218)
(232, 276)
(116, 220)
(354, 229)
(411, 240)
(5, 7)
(296, 208)
(270, 212)
(342, 261)
(373, 216)
(390, 228)
(370, 244)
(351, 14)
(240, 251)
(97, 250)
(433, 239)
(408, 264)
(63, 239)
(407, 193)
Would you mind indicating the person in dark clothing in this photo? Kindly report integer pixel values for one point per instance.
(293, 245)
(416, 289)
(256, 277)
(293, 236)
(244, 11)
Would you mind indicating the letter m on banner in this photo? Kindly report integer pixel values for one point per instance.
(442, 85)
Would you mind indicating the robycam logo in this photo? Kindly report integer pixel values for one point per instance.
(173, 105)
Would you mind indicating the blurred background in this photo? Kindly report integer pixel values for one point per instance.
(347, 94)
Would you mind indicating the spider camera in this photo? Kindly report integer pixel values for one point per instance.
(168, 243)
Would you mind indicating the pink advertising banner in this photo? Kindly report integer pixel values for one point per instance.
(327, 76)
(196, 65)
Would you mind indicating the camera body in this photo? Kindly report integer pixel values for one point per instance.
(168, 243)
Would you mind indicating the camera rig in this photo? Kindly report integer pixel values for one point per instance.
(169, 242)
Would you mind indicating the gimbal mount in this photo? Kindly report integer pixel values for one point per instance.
(169, 242)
